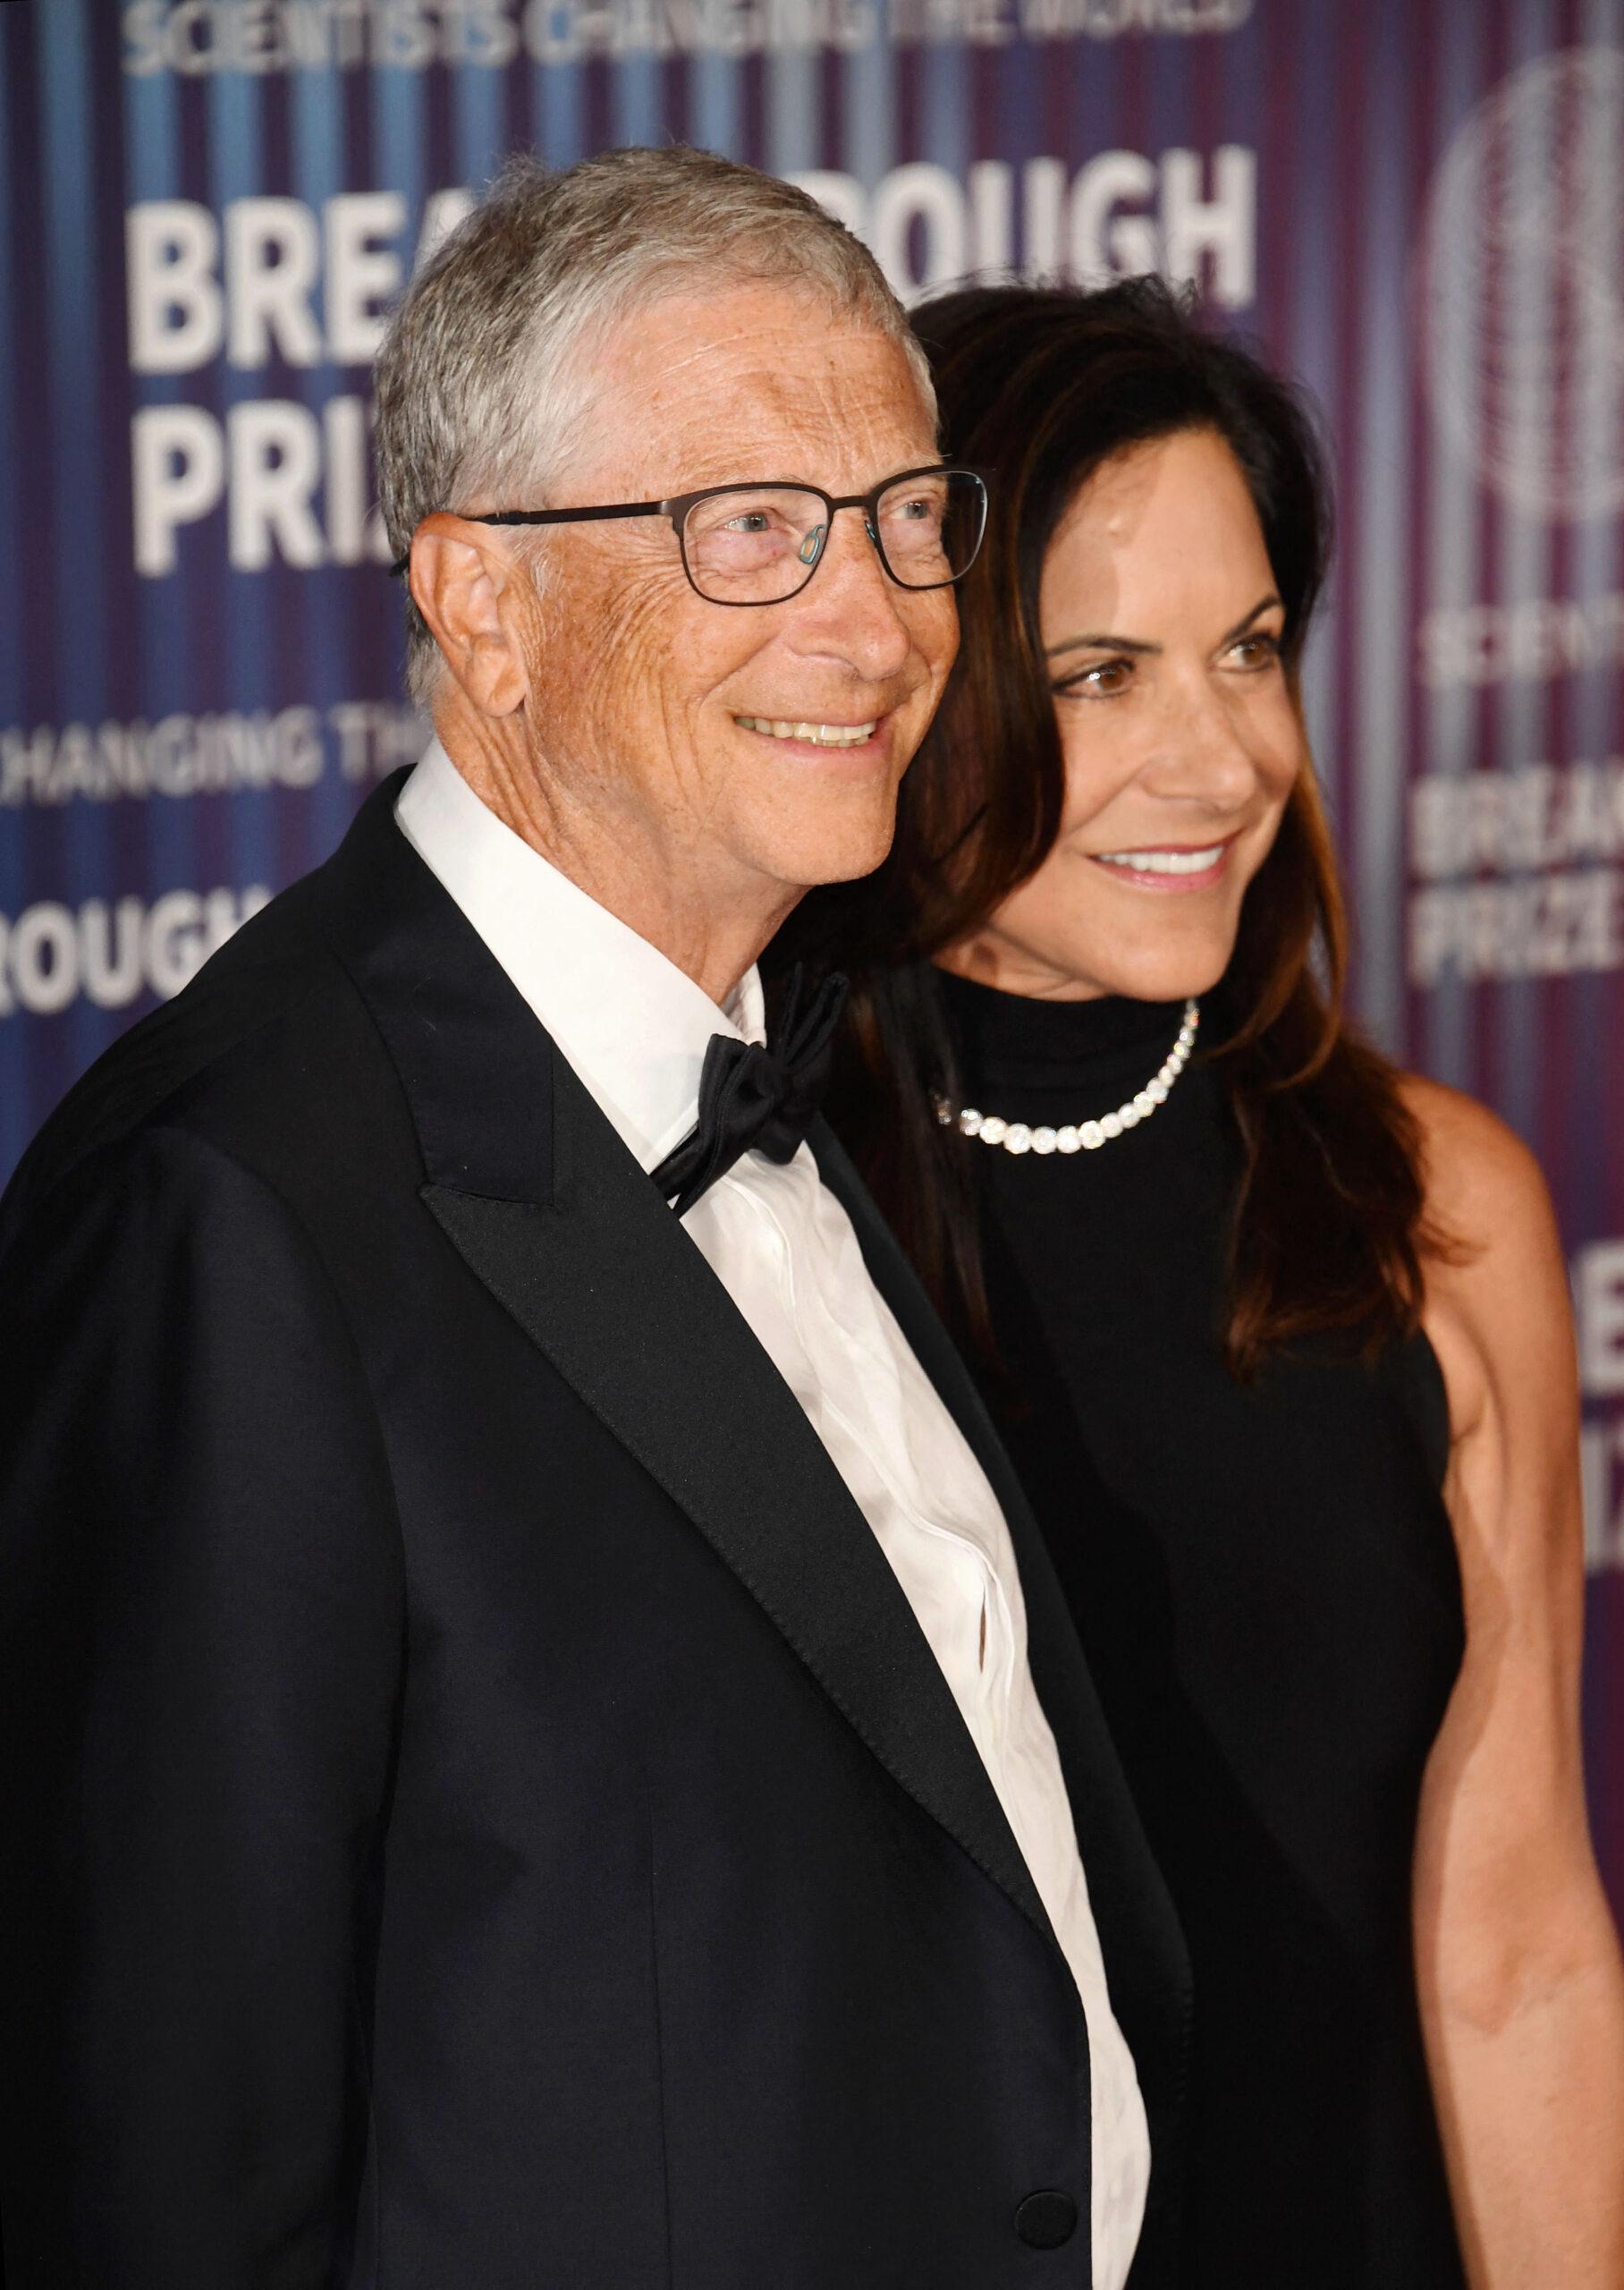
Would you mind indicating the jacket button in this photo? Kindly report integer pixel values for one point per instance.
(1046, 2219)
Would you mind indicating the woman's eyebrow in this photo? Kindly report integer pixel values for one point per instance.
(1099, 643)
(1107, 643)
(1263, 605)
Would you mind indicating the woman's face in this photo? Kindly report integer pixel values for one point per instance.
(1163, 630)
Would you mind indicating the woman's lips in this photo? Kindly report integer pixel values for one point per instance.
(1168, 867)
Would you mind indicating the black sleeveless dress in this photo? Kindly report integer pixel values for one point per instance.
(1264, 1582)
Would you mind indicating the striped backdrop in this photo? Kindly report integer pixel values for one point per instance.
(1415, 204)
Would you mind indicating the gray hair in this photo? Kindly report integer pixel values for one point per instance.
(481, 379)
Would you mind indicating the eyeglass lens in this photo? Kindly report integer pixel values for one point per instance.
(758, 544)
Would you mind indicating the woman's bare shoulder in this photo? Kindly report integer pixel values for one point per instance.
(1483, 1187)
(1496, 1280)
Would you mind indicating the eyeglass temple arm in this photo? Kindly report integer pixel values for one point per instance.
(673, 509)
(577, 516)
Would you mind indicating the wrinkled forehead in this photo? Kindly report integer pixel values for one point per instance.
(748, 381)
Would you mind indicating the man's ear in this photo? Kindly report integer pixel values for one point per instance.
(473, 591)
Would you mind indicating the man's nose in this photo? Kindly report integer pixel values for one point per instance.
(851, 608)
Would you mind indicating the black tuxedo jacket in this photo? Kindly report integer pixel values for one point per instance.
(479, 1813)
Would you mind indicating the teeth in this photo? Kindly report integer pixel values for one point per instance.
(1164, 862)
(821, 735)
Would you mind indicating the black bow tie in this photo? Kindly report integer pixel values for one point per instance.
(756, 1094)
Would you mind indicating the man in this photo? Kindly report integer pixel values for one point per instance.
(524, 1764)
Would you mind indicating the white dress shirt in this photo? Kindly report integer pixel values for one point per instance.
(635, 1030)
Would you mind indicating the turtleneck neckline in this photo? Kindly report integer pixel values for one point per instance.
(1020, 1038)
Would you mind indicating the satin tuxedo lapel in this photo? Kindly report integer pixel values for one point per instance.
(545, 1204)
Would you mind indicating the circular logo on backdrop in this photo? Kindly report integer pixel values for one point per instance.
(1521, 286)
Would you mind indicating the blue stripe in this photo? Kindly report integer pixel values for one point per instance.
(11, 654)
(558, 98)
(1245, 56)
(636, 114)
(236, 168)
(791, 113)
(326, 599)
(945, 125)
(1169, 117)
(1522, 719)
(167, 679)
(400, 160)
(481, 145)
(17, 1113)
(868, 105)
(79, 488)
(715, 98)
(1594, 1152)
(1450, 717)
(1313, 348)
(1020, 71)
(1383, 624)
(399, 140)
(1097, 70)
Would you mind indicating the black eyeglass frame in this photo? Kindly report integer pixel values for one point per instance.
(678, 508)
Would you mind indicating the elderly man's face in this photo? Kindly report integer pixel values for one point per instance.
(643, 696)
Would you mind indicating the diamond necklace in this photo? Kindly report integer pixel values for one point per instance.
(1083, 1136)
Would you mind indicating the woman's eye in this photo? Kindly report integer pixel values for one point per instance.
(1103, 681)
(1257, 651)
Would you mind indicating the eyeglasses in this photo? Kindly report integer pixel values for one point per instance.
(761, 544)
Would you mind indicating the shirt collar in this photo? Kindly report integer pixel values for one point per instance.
(632, 1025)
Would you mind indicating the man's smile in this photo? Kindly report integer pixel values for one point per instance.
(821, 735)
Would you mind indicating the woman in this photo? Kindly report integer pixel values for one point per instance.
(1279, 1337)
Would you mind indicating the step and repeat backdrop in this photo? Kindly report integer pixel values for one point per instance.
(205, 207)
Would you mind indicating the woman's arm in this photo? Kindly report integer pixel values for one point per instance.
(1522, 1988)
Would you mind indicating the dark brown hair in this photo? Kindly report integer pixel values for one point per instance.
(1041, 388)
